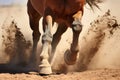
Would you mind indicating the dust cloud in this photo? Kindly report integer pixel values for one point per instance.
(15, 49)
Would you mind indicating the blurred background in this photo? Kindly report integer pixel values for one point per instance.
(13, 2)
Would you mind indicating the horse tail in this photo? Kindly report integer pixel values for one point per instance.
(94, 3)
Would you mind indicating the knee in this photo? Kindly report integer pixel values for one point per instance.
(47, 37)
(74, 48)
(77, 26)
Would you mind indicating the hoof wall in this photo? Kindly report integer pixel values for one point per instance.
(45, 70)
(68, 59)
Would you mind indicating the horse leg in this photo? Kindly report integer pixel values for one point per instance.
(45, 67)
(34, 18)
(71, 55)
(57, 36)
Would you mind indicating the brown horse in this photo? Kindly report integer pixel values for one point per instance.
(65, 13)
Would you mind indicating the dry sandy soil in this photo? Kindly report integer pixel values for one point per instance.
(98, 57)
(86, 75)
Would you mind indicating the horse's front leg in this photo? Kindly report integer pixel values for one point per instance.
(45, 67)
(34, 18)
(71, 55)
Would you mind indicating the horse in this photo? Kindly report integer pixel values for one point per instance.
(66, 13)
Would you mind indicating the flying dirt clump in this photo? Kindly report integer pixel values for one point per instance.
(14, 45)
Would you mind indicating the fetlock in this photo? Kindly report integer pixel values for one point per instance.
(47, 37)
(74, 48)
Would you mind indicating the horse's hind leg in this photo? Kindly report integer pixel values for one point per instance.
(71, 55)
(34, 18)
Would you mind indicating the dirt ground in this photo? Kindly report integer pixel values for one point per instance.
(98, 57)
(106, 74)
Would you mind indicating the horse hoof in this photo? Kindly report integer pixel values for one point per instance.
(68, 58)
(45, 70)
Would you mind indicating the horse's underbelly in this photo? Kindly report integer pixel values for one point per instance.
(38, 6)
(67, 21)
